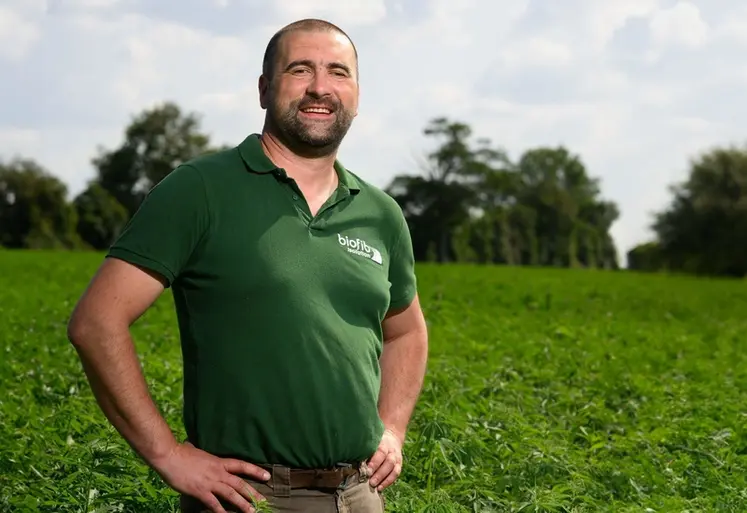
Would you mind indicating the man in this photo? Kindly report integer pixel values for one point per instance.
(303, 340)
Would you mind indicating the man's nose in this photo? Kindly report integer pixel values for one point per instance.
(320, 84)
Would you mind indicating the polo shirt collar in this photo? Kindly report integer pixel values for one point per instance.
(256, 160)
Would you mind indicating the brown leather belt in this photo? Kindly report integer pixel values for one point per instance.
(292, 478)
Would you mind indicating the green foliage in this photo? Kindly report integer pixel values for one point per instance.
(100, 216)
(473, 203)
(34, 208)
(646, 257)
(548, 390)
(702, 230)
(34, 213)
(156, 141)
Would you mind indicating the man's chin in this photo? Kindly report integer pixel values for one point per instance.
(318, 140)
(313, 138)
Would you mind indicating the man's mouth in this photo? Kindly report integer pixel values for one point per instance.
(316, 110)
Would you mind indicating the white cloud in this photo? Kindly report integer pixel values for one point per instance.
(92, 4)
(22, 139)
(537, 51)
(680, 24)
(348, 13)
(17, 34)
(27, 7)
(636, 87)
(603, 19)
(734, 29)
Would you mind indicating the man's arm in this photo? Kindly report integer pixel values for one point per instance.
(403, 364)
(99, 329)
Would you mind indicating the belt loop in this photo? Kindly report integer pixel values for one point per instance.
(362, 472)
(281, 481)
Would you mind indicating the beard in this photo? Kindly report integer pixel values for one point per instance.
(310, 137)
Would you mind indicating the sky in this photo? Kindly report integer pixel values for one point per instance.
(635, 88)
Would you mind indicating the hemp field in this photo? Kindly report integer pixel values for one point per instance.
(547, 391)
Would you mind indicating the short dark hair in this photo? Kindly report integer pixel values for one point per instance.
(308, 24)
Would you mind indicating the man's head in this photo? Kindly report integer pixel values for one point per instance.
(309, 86)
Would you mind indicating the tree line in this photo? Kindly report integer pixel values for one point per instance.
(468, 202)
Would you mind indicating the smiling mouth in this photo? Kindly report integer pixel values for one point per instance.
(316, 110)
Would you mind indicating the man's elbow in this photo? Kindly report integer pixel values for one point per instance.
(79, 327)
(86, 328)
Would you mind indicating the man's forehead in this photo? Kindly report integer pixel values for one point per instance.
(303, 41)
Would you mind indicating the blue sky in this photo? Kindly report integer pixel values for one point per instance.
(635, 87)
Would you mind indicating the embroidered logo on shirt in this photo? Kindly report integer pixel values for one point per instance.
(360, 247)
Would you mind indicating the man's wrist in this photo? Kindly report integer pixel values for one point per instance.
(399, 434)
(160, 453)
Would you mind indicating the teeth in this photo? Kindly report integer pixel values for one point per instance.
(321, 111)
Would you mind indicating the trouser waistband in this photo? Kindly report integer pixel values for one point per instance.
(283, 479)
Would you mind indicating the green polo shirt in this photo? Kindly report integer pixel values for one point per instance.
(279, 311)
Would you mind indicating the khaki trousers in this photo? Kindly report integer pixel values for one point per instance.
(355, 495)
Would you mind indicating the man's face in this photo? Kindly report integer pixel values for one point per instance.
(313, 96)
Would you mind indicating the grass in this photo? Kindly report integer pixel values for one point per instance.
(547, 391)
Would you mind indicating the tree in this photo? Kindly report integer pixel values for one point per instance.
(155, 142)
(572, 223)
(436, 202)
(100, 216)
(702, 230)
(646, 258)
(472, 203)
(34, 213)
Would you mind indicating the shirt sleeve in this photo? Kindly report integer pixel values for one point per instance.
(168, 226)
(402, 268)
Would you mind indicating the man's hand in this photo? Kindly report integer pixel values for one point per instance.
(205, 477)
(386, 463)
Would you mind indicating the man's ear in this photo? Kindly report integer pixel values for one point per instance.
(264, 89)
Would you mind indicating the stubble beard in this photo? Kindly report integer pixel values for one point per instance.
(310, 138)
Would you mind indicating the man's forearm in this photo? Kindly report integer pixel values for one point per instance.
(113, 370)
(403, 364)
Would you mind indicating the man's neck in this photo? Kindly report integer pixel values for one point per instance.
(315, 173)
